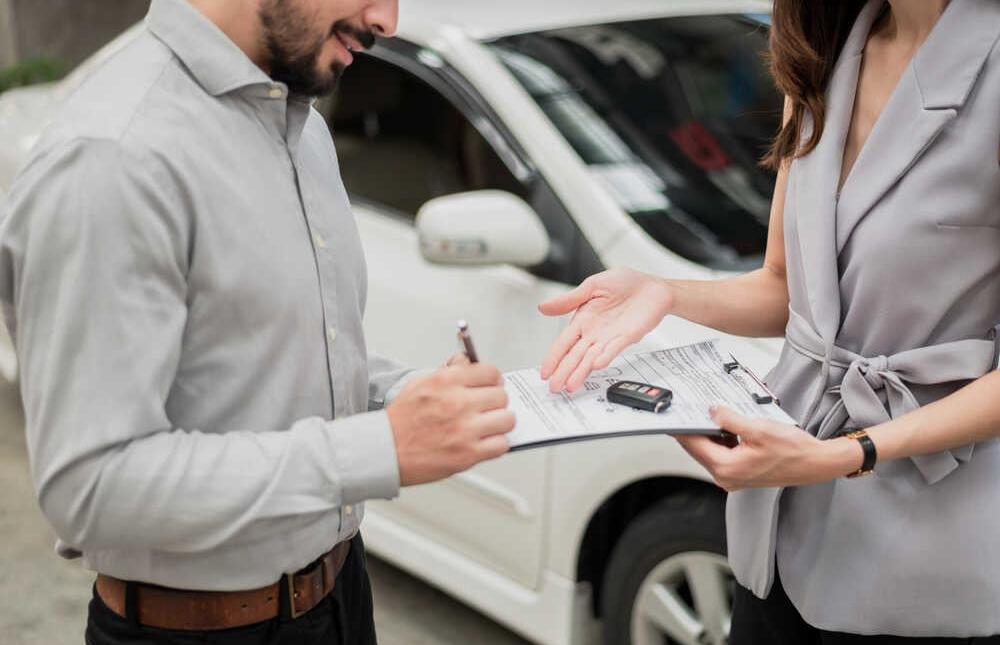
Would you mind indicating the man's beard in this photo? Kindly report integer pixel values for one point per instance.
(293, 49)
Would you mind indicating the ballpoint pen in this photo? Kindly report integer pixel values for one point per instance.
(466, 339)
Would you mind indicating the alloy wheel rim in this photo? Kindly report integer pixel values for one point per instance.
(687, 599)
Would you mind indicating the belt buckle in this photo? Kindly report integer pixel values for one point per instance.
(289, 581)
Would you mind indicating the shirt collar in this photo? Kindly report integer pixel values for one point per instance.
(214, 60)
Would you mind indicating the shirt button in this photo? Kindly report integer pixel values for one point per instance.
(349, 510)
(276, 92)
(332, 333)
(320, 242)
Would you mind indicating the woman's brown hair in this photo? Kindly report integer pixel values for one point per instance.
(807, 37)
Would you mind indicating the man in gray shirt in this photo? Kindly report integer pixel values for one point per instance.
(183, 276)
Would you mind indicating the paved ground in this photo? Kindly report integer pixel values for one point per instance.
(43, 598)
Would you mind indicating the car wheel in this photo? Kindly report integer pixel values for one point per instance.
(668, 581)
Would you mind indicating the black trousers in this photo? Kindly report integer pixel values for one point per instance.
(775, 621)
(343, 618)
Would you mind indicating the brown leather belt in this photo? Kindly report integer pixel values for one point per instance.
(209, 610)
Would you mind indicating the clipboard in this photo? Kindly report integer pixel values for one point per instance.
(699, 375)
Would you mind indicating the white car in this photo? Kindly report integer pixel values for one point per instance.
(540, 142)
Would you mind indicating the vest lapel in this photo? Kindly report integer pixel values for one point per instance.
(931, 91)
(814, 180)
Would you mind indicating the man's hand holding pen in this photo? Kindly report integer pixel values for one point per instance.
(450, 421)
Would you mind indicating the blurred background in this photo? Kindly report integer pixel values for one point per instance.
(42, 39)
(496, 153)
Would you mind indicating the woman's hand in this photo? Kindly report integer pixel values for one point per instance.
(613, 310)
(771, 454)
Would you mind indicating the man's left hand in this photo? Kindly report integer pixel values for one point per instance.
(771, 454)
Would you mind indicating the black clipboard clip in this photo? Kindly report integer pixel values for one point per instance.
(760, 399)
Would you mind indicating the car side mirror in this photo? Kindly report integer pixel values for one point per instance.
(481, 228)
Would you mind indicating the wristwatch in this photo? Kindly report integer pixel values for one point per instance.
(871, 456)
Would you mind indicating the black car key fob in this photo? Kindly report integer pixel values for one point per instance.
(641, 396)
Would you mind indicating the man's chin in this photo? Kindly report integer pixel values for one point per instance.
(316, 84)
(325, 85)
(332, 78)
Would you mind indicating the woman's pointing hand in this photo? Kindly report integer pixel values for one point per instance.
(613, 310)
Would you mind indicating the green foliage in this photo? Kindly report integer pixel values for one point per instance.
(29, 72)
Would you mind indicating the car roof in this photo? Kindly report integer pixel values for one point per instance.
(422, 21)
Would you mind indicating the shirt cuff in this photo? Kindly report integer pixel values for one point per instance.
(365, 457)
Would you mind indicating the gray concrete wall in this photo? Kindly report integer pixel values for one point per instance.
(64, 30)
(8, 37)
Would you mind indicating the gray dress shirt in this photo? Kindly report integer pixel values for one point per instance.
(183, 275)
(894, 285)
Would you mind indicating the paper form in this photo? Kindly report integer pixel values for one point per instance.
(695, 373)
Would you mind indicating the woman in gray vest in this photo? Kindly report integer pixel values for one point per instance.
(883, 273)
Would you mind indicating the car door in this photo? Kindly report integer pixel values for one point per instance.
(404, 136)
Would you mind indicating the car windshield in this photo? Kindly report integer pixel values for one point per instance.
(672, 115)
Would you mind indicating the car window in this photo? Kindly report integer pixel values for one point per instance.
(671, 115)
(401, 143)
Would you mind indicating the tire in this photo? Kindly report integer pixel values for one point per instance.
(668, 581)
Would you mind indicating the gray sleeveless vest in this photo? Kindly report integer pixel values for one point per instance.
(894, 286)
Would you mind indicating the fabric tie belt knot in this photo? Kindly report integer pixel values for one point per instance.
(873, 369)
(863, 380)
(874, 390)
